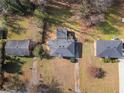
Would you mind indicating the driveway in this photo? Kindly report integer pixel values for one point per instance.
(121, 76)
(34, 80)
(77, 77)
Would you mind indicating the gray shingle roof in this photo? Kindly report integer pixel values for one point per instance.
(109, 48)
(62, 47)
(17, 47)
(61, 33)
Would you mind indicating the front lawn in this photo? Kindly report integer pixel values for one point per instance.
(108, 84)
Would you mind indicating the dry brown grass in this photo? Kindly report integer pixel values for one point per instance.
(109, 84)
(30, 27)
(60, 70)
(63, 70)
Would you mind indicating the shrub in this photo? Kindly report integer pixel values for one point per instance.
(96, 72)
(110, 60)
(37, 51)
(73, 60)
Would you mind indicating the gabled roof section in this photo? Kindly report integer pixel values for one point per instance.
(62, 47)
(109, 48)
(61, 33)
(17, 47)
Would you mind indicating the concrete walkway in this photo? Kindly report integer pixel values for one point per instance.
(121, 76)
(77, 77)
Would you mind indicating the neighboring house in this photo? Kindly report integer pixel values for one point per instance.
(64, 45)
(18, 48)
(109, 48)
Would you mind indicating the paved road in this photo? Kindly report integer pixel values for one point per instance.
(77, 77)
(121, 76)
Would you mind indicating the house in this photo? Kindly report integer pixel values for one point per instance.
(63, 45)
(109, 48)
(62, 33)
(18, 48)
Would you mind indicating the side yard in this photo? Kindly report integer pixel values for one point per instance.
(17, 70)
(108, 84)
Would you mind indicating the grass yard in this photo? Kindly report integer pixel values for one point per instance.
(19, 28)
(108, 84)
(63, 70)
(108, 30)
(20, 68)
(112, 28)
(16, 65)
(60, 15)
(28, 29)
(26, 68)
(60, 70)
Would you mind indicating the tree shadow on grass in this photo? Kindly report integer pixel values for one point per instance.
(114, 16)
(12, 23)
(52, 87)
(16, 28)
(112, 19)
(107, 28)
(115, 10)
(15, 83)
(13, 65)
(57, 15)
